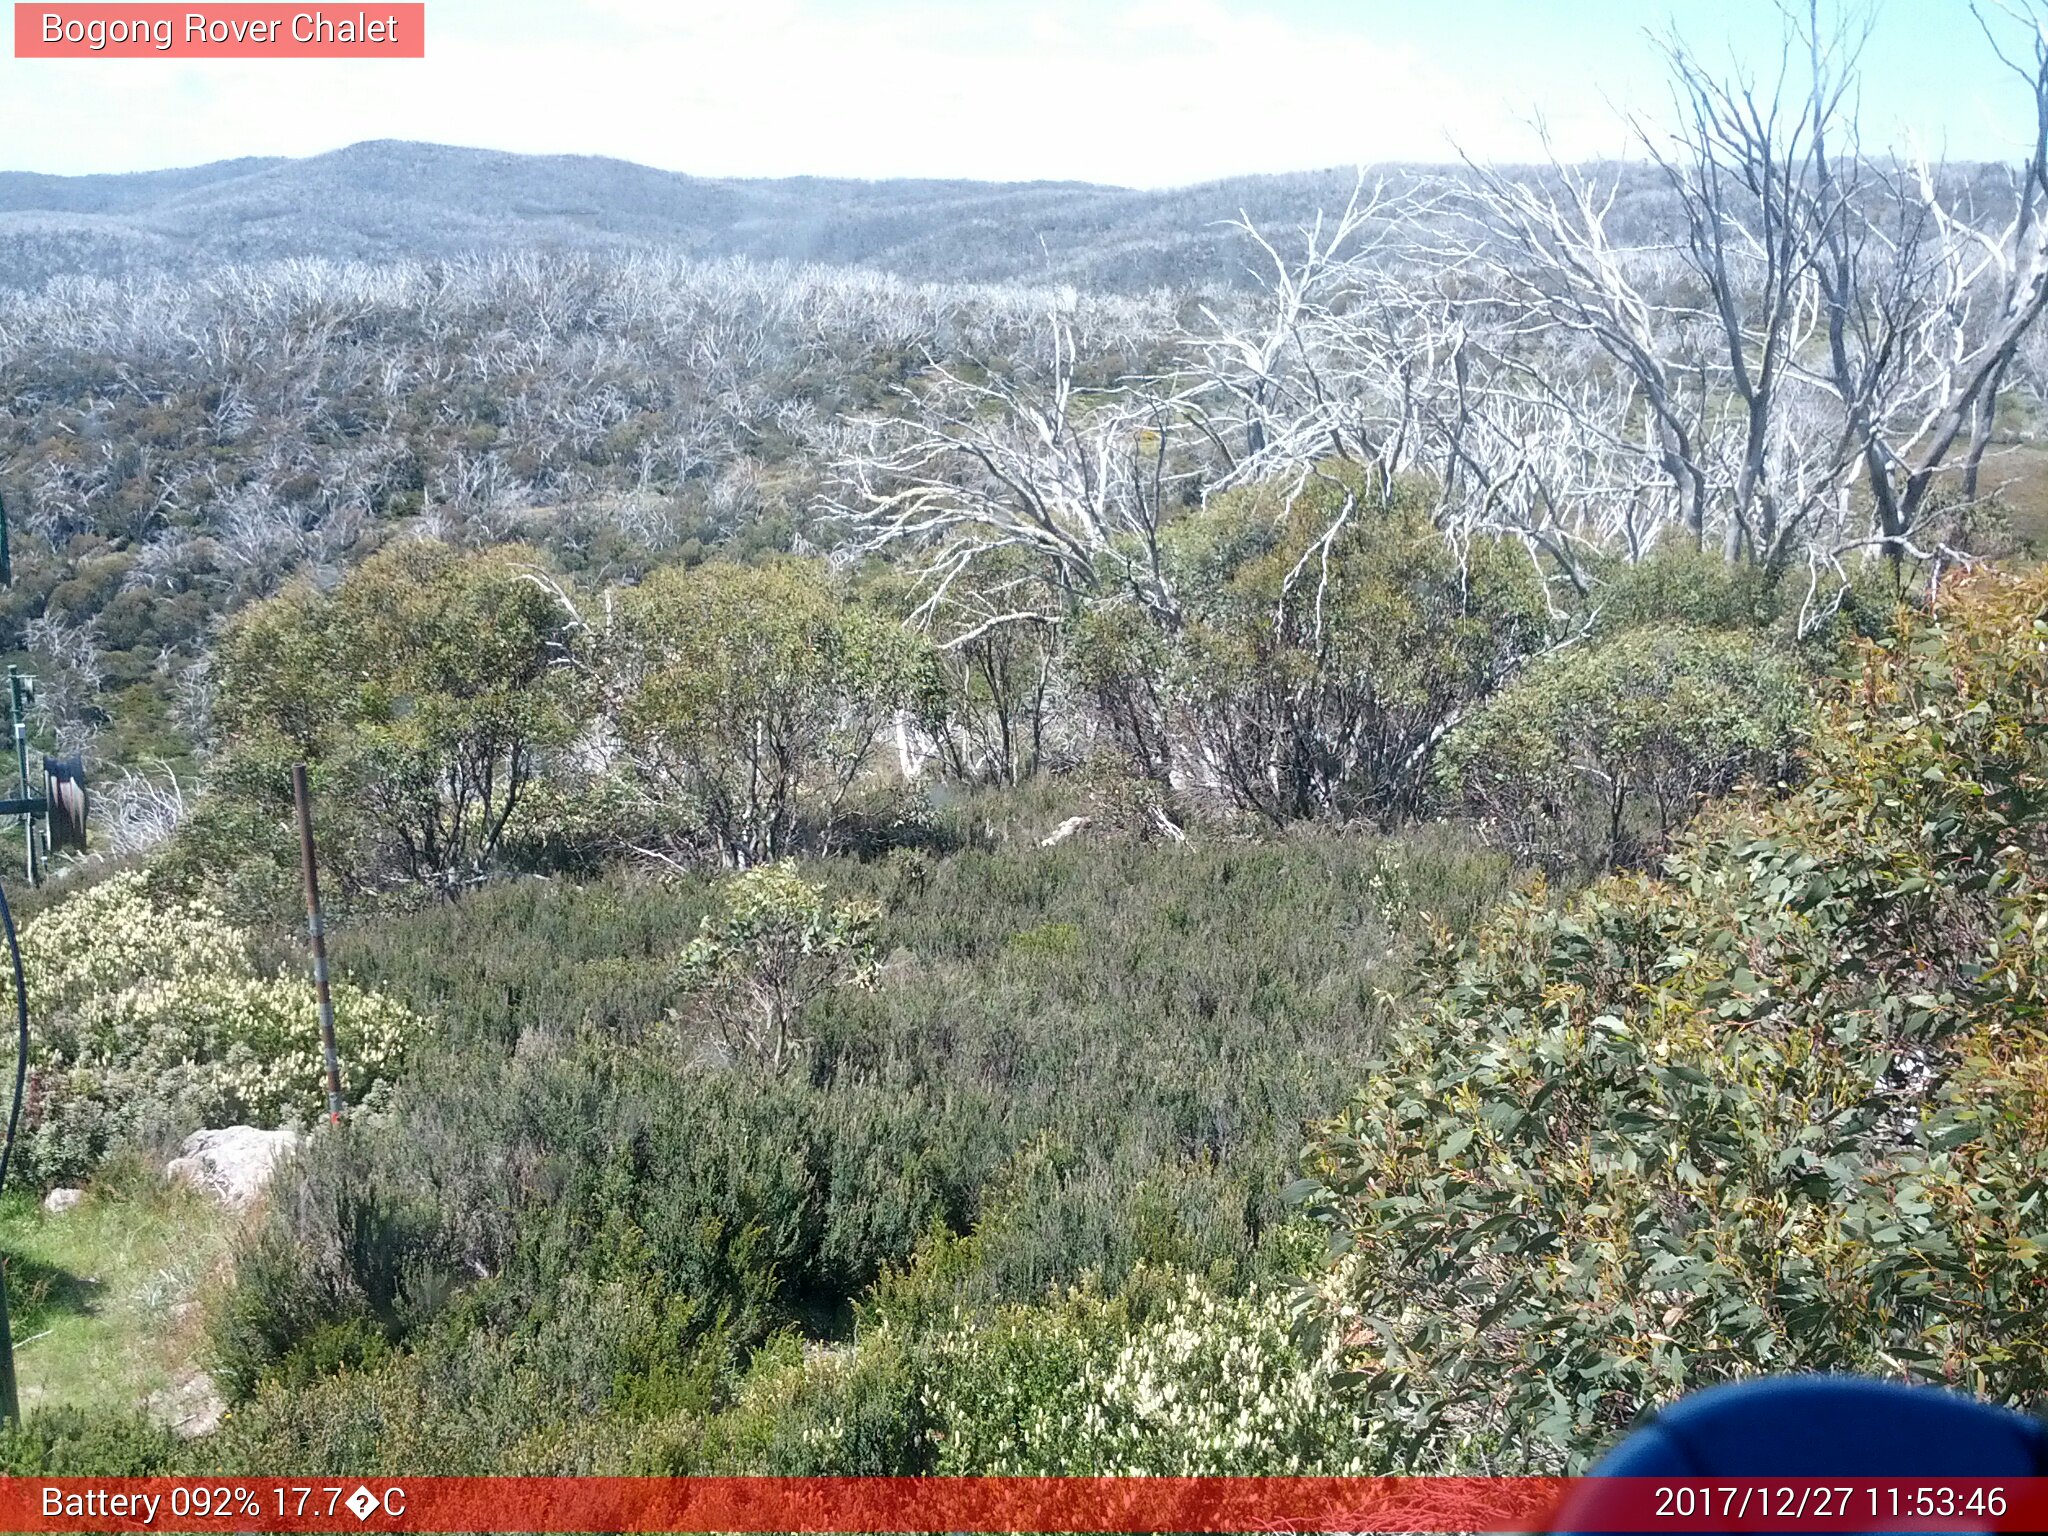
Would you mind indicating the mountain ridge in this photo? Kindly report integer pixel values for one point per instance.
(386, 199)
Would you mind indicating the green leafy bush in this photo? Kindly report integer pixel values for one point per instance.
(1784, 1109)
(73, 1442)
(776, 945)
(1201, 1385)
(1681, 586)
(1330, 641)
(1598, 755)
(424, 690)
(149, 1020)
(749, 698)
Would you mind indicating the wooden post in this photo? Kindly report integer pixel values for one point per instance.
(316, 930)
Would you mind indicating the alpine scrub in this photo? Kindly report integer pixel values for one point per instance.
(1205, 1385)
(150, 1020)
(1782, 1108)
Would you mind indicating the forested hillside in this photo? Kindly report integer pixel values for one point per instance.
(392, 201)
(398, 201)
(1373, 870)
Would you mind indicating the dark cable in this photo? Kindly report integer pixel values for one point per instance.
(21, 1013)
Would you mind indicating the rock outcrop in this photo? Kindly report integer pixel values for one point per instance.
(232, 1165)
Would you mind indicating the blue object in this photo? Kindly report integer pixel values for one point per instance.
(1828, 1426)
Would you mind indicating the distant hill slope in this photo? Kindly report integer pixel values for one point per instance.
(389, 199)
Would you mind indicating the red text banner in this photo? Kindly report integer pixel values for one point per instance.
(978, 1504)
(232, 31)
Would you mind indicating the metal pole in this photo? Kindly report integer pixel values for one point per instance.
(316, 930)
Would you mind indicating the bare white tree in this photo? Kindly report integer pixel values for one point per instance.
(1080, 478)
(65, 660)
(1838, 316)
(138, 811)
(1787, 380)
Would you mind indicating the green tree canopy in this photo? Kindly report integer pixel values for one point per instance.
(1329, 643)
(423, 689)
(754, 695)
(1598, 755)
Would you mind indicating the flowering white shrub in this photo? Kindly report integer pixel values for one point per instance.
(147, 1018)
(1207, 1386)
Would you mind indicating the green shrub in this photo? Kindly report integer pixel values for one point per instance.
(352, 1344)
(574, 825)
(424, 691)
(331, 1280)
(74, 1442)
(455, 1413)
(1330, 640)
(1204, 1385)
(1597, 756)
(749, 698)
(775, 946)
(803, 1410)
(1680, 586)
(1782, 1110)
(576, 1381)
(1048, 939)
(151, 1021)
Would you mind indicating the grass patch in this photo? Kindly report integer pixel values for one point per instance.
(104, 1297)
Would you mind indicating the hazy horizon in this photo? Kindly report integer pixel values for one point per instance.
(1276, 172)
(1136, 94)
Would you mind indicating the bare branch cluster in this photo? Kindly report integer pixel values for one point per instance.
(1804, 364)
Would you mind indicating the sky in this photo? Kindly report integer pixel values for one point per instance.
(1146, 93)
